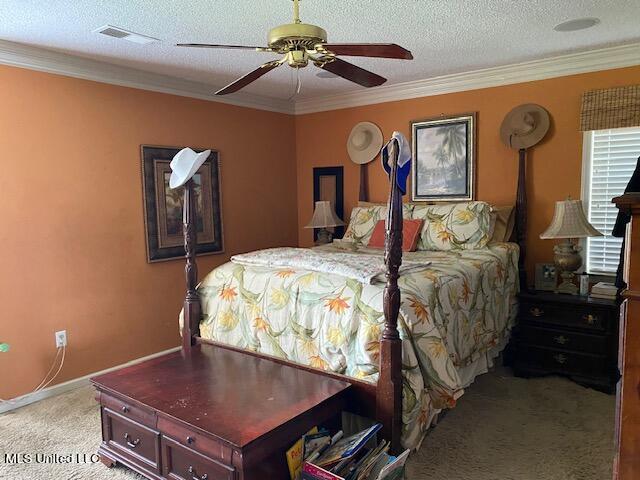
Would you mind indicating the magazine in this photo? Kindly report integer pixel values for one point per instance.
(346, 447)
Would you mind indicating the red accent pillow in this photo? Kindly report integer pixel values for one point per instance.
(410, 234)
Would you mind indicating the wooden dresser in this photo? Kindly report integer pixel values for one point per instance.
(568, 335)
(215, 414)
(627, 464)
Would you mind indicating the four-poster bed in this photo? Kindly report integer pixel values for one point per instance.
(216, 410)
(381, 400)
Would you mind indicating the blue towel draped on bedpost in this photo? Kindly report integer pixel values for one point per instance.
(396, 160)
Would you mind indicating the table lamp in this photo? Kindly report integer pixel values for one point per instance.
(323, 217)
(569, 222)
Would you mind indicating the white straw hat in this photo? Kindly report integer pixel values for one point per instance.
(364, 143)
(184, 166)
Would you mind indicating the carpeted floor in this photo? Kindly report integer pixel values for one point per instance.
(504, 428)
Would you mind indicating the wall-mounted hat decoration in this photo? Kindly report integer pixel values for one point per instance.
(524, 126)
(364, 142)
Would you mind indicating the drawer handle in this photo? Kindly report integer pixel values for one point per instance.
(194, 474)
(560, 358)
(125, 409)
(130, 442)
(590, 319)
(536, 312)
(190, 440)
(561, 339)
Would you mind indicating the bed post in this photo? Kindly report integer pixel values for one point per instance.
(191, 321)
(521, 218)
(389, 391)
(363, 196)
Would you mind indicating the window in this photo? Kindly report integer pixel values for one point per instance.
(610, 157)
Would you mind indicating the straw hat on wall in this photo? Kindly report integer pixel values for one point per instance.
(524, 126)
(364, 142)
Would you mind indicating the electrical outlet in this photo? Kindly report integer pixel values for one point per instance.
(61, 339)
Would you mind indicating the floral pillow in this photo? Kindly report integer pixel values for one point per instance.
(457, 226)
(364, 219)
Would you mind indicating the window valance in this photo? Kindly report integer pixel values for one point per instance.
(610, 108)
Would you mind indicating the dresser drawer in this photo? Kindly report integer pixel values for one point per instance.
(131, 439)
(567, 340)
(562, 361)
(128, 410)
(579, 316)
(181, 463)
(195, 441)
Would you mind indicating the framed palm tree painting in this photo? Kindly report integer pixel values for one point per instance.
(444, 158)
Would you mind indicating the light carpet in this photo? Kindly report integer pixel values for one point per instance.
(504, 428)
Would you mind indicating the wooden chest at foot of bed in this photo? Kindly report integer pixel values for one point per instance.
(567, 335)
(214, 414)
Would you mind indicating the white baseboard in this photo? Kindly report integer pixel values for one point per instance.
(69, 385)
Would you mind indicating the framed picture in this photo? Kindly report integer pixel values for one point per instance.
(328, 184)
(163, 206)
(444, 158)
(546, 277)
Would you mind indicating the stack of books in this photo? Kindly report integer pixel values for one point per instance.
(604, 290)
(326, 457)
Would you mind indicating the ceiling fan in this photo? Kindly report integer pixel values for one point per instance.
(301, 43)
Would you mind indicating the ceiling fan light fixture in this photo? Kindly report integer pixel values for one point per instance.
(300, 43)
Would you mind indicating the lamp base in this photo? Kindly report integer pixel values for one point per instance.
(324, 237)
(567, 286)
(567, 260)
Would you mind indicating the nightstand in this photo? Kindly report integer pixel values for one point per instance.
(568, 335)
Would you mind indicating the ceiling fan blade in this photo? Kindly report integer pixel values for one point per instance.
(232, 47)
(248, 78)
(379, 50)
(352, 73)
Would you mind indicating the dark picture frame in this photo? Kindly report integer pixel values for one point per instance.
(328, 184)
(546, 278)
(444, 154)
(163, 206)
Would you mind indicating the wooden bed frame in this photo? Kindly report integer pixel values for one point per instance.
(382, 401)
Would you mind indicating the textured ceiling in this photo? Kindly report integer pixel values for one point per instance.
(445, 36)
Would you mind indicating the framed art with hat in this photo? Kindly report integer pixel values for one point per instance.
(164, 172)
(444, 158)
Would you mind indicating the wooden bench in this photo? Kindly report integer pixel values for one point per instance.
(212, 414)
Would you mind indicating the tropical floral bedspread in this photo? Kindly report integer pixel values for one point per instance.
(452, 313)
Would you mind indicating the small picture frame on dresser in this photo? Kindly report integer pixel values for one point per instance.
(546, 277)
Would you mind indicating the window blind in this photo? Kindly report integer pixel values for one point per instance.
(611, 160)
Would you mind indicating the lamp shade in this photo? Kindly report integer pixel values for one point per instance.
(569, 221)
(324, 216)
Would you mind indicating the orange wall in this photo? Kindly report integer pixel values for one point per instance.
(72, 240)
(73, 247)
(554, 166)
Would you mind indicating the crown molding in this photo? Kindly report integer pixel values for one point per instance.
(559, 66)
(35, 58)
(44, 60)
